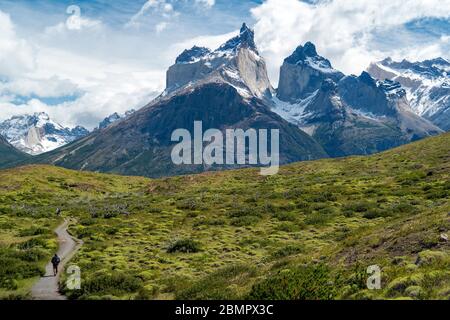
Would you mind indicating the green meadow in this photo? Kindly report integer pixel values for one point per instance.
(309, 232)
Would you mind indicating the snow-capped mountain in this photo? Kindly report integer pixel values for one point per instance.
(114, 118)
(427, 85)
(37, 133)
(303, 72)
(224, 88)
(319, 112)
(236, 62)
(346, 114)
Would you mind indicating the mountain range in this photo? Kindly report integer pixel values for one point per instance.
(320, 112)
(427, 84)
(37, 133)
(347, 115)
(230, 93)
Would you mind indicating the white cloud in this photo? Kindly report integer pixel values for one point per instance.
(16, 55)
(160, 27)
(53, 87)
(46, 70)
(161, 7)
(342, 30)
(207, 3)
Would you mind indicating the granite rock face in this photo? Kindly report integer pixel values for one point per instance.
(236, 62)
(347, 114)
(303, 72)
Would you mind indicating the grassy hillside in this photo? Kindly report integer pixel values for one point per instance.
(309, 232)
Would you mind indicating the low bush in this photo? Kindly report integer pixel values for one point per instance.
(184, 246)
(304, 283)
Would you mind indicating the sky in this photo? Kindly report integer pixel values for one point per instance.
(81, 60)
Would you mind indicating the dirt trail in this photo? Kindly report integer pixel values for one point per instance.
(47, 287)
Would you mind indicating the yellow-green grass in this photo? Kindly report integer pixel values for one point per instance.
(315, 223)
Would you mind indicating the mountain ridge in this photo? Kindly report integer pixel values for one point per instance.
(427, 85)
(37, 133)
(232, 93)
(347, 114)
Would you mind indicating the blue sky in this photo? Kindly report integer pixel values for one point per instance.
(115, 57)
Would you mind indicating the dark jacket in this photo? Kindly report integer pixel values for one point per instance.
(56, 260)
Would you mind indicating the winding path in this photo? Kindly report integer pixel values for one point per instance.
(47, 288)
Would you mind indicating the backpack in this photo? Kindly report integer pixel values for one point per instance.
(56, 260)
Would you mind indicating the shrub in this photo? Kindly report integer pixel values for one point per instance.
(287, 251)
(33, 231)
(187, 204)
(184, 246)
(116, 284)
(317, 219)
(286, 216)
(361, 206)
(304, 283)
(32, 243)
(375, 213)
(218, 285)
(244, 221)
(288, 227)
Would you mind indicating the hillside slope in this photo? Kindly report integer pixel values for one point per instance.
(9, 154)
(237, 234)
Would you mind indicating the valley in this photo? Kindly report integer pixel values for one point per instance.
(237, 234)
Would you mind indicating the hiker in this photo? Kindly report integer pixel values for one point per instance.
(55, 261)
(58, 212)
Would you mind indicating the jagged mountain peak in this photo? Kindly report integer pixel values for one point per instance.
(38, 133)
(109, 120)
(426, 84)
(301, 53)
(366, 78)
(303, 72)
(236, 62)
(245, 39)
(192, 55)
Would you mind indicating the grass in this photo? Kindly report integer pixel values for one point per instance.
(239, 235)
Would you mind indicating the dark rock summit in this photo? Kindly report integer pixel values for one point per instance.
(303, 72)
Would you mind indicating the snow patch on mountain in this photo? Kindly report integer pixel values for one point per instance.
(293, 112)
(37, 133)
(427, 86)
(236, 62)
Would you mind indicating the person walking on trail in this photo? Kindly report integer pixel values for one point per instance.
(55, 262)
(58, 212)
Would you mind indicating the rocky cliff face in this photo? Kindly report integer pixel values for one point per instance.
(302, 74)
(368, 95)
(427, 85)
(346, 114)
(236, 62)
